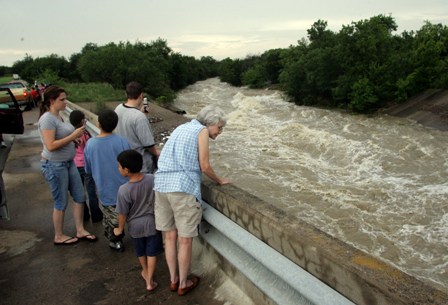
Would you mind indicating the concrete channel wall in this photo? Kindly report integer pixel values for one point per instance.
(357, 276)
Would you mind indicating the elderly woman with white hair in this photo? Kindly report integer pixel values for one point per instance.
(183, 160)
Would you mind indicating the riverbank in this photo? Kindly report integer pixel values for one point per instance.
(429, 109)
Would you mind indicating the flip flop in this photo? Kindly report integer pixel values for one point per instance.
(155, 287)
(195, 282)
(89, 237)
(174, 286)
(65, 242)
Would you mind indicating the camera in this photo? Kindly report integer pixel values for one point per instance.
(145, 105)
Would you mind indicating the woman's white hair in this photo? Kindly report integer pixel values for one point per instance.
(211, 115)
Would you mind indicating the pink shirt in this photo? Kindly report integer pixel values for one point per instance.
(79, 156)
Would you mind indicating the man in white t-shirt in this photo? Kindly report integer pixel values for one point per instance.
(134, 126)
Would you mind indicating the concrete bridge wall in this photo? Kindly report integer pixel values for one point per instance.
(358, 276)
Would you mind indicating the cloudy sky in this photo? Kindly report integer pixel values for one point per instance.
(217, 28)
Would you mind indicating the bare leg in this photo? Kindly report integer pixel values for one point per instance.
(171, 254)
(142, 261)
(58, 224)
(151, 262)
(78, 215)
(184, 257)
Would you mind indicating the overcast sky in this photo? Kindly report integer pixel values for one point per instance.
(217, 28)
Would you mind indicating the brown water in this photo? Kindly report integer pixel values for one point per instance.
(378, 183)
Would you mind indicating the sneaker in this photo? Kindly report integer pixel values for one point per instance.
(118, 246)
(3, 145)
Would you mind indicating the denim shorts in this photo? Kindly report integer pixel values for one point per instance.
(63, 177)
(149, 246)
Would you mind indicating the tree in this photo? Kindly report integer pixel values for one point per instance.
(230, 71)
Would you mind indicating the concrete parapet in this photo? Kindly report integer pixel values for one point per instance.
(90, 116)
(355, 274)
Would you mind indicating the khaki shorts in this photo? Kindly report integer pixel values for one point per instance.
(179, 211)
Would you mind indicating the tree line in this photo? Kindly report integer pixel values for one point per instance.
(155, 65)
(362, 67)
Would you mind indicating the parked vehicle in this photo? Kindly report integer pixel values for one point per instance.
(21, 92)
(11, 119)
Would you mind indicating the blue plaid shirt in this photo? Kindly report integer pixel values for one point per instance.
(178, 164)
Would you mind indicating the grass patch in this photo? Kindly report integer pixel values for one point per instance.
(93, 92)
(5, 79)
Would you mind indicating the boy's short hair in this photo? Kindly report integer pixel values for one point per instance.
(133, 90)
(131, 159)
(76, 117)
(108, 120)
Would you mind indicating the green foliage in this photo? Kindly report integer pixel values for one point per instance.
(5, 70)
(49, 76)
(254, 77)
(262, 71)
(362, 67)
(5, 79)
(31, 69)
(161, 71)
(362, 96)
(162, 100)
(230, 71)
(93, 92)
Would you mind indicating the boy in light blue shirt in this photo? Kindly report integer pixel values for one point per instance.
(100, 157)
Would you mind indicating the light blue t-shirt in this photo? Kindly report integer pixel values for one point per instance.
(100, 157)
(178, 165)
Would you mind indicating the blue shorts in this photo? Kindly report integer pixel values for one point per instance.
(149, 246)
(63, 177)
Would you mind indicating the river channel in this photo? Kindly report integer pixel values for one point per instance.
(378, 183)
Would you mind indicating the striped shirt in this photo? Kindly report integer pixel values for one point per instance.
(178, 164)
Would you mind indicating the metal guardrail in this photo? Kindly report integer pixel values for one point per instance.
(279, 278)
(283, 281)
